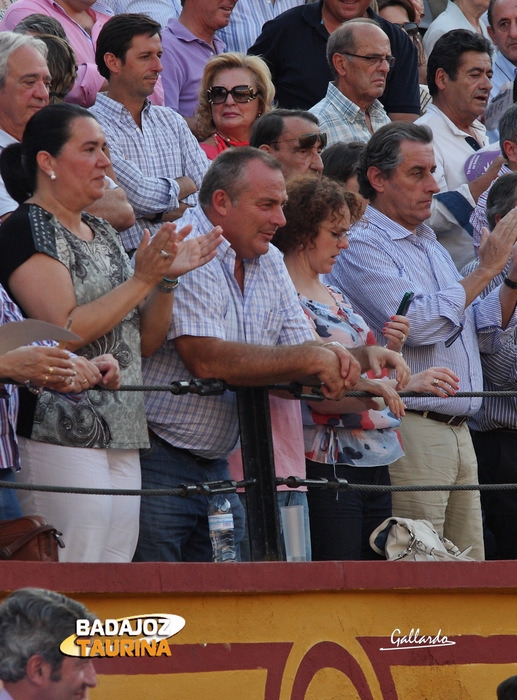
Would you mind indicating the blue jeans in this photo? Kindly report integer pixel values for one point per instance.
(9, 506)
(173, 528)
(342, 522)
(284, 498)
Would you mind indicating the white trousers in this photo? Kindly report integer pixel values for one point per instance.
(95, 528)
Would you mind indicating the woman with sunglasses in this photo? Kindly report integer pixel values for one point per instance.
(235, 90)
(355, 438)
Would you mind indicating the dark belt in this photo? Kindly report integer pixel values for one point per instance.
(196, 458)
(456, 421)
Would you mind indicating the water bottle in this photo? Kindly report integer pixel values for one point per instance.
(220, 525)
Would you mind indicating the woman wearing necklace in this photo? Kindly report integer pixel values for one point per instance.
(355, 438)
(235, 90)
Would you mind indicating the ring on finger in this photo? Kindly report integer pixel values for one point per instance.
(45, 379)
(51, 370)
(84, 381)
(436, 381)
(165, 254)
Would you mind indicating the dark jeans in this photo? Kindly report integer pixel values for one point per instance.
(173, 528)
(342, 522)
(9, 506)
(496, 451)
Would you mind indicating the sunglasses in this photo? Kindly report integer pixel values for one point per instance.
(308, 140)
(410, 28)
(218, 94)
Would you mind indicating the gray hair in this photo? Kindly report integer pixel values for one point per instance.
(502, 198)
(508, 127)
(37, 24)
(35, 621)
(9, 42)
(383, 151)
(343, 39)
(228, 172)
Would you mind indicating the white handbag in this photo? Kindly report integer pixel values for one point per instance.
(402, 539)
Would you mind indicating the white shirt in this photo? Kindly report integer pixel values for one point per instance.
(451, 209)
(451, 18)
(7, 203)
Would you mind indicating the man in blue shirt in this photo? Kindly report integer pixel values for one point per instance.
(392, 251)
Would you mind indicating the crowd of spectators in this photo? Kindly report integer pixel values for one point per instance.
(234, 189)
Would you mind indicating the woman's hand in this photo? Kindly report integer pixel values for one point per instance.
(166, 254)
(195, 252)
(87, 375)
(378, 387)
(439, 380)
(396, 332)
(109, 368)
(40, 365)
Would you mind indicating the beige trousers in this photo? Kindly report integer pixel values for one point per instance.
(436, 453)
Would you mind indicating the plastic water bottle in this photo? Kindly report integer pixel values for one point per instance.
(220, 525)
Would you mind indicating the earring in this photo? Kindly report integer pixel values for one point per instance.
(52, 175)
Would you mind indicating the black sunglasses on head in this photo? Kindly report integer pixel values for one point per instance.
(218, 94)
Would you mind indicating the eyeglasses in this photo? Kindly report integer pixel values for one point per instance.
(217, 94)
(373, 60)
(308, 140)
(410, 28)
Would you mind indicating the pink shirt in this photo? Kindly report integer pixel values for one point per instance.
(288, 443)
(89, 81)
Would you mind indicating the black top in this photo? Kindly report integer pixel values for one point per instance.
(294, 47)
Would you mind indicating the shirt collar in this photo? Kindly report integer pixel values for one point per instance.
(476, 125)
(394, 230)
(505, 66)
(181, 32)
(345, 104)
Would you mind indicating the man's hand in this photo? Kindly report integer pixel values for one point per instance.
(495, 248)
(350, 367)
(377, 359)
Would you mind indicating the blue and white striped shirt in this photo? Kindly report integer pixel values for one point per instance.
(9, 456)
(385, 261)
(147, 161)
(499, 374)
(209, 303)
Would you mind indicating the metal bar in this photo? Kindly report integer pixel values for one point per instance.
(259, 464)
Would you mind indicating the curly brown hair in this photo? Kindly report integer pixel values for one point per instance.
(310, 201)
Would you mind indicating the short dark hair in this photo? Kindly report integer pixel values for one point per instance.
(508, 127)
(228, 172)
(507, 690)
(502, 198)
(383, 151)
(448, 52)
(116, 35)
(269, 127)
(47, 130)
(340, 160)
(490, 13)
(310, 201)
(35, 621)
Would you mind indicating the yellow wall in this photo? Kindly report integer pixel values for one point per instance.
(251, 630)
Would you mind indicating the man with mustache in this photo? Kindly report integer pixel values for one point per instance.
(459, 70)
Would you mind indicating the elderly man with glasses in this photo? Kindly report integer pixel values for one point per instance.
(358, 53)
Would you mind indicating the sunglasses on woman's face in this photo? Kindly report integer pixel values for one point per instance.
(218, 94)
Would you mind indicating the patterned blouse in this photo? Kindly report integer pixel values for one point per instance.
(366, 439)
(103, 419)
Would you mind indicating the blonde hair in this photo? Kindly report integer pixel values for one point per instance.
(228, 61)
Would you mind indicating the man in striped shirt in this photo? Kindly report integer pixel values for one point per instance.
(494, 428)
(392, 252)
